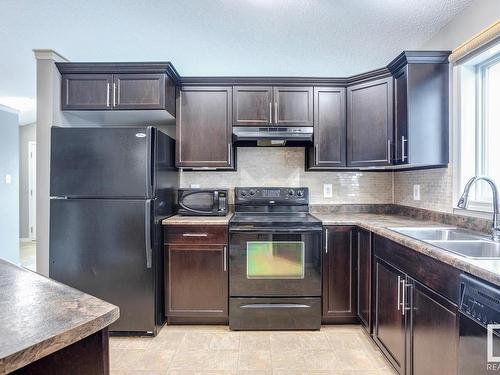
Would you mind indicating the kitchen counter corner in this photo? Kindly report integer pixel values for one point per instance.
(39, 316)
(198, 220)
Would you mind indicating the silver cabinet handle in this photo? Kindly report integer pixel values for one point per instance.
(316, 153)
(194, 234)
(270, 112)
(114, 94)
(275, 306)
(225, 258)
(399, 292)
(326, 240)
(275, 112)
(389, 151)
(403, 303)
(229, 149)
(107, 94)
(403, 153)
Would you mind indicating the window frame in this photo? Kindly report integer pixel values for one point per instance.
(476, 207)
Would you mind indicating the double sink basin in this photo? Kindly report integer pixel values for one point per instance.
(458, 241)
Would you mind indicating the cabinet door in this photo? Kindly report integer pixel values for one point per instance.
(339, 303)
(197, 281)
(204, 128)
(401, 116)
(86, 91)
(293, 106)
(252, 105)
(329, 127)
(370, 123)
(364, 247)
(434, 338)
(389, 327)
(139, 91)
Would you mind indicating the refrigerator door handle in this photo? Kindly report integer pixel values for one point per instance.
(147, 234)
(150, 162)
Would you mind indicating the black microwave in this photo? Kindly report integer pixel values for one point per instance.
(202, 202)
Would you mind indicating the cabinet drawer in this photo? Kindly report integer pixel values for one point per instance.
(191, 234)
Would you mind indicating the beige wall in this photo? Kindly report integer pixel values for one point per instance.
(268, 166)
(27, 133)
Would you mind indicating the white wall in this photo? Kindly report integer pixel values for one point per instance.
(27, 133)
(9, 193)
(477, 16)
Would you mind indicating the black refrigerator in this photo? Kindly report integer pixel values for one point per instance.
(110, 188)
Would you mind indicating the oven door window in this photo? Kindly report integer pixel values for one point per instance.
(275, 260)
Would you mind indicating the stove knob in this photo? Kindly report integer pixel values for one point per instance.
(291, 192)
(252, 192)
(300, 193)
(243, 193)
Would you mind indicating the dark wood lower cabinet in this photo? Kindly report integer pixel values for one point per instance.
(364, 255)
(197, 284)
(415, 327)
(339, 275)
(389, 330)
(434, 338)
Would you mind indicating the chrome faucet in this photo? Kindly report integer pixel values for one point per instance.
(463, 202)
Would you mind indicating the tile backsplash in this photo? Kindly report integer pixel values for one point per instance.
(436, 189)
(268, 166)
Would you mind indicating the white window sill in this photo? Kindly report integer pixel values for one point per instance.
(473, 212)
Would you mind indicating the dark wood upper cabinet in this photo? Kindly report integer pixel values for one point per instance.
(389, 329)
(364, 255)
(339, 271)
(118, 86)
(330, 131)
(370, 123)
(434, 336)
(293, 106)
(139, 91)
(204, 130)
(86, 91)
(421, 108)
(252, 105)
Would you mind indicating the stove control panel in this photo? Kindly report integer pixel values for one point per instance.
(271, 195)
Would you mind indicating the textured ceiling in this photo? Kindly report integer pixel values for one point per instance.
(214, 37)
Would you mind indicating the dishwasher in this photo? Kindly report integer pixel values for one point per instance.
(479, 308)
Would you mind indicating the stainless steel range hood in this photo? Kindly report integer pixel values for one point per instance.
(272, 136)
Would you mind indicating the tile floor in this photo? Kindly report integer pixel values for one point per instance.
(27, 254)
(335, 350)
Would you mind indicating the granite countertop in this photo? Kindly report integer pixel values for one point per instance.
(201, 220)
(486, 269)
(39, 316)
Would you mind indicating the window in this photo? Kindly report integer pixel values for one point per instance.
(479, 125)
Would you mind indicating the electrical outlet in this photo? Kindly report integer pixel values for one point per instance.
(8, 179)
(416, 192)
(327, 190)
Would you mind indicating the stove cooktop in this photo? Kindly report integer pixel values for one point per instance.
(266, 219)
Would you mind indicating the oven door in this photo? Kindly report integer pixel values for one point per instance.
(270, 262)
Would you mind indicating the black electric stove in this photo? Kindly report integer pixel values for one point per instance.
(274, 260)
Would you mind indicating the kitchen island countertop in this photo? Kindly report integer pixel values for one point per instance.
(39, 316)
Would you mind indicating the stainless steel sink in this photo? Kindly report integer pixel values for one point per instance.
(471, 249)
(459, 241)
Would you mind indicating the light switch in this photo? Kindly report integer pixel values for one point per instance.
(416, 192)
(8, 179)
(327, 190)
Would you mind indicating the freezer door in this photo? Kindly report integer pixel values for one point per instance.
(104, 248)
(102, 162)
